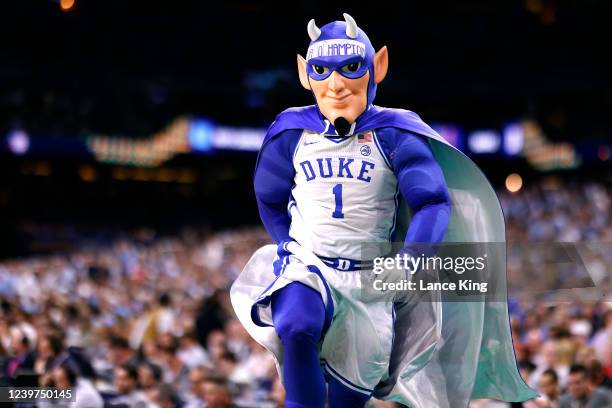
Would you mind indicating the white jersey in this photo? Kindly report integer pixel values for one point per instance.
(345, 194)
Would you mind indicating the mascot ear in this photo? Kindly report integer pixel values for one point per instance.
(381, 63)
(301, 62)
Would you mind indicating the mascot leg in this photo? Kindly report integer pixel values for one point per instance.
(298, 314)
(340, 396)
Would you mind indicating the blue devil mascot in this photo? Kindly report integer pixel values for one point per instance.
(342, 173)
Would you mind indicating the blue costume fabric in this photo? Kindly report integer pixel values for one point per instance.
(298, 314)
(273, 183)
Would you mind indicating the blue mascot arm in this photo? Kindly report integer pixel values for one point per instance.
(422, 184)
(273, 182)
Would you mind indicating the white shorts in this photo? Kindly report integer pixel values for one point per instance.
(356, 347)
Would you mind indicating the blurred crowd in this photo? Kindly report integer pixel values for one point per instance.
(560, 301)
(147, 322)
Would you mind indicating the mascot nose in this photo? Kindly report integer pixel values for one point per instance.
(336, 82)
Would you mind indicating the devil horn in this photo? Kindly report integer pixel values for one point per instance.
(313, 31)
(351, 26)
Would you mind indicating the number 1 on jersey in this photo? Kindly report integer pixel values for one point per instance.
(337, 190)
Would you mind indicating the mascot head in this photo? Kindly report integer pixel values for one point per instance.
(342, 71)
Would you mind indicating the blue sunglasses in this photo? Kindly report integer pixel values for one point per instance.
(321, 68)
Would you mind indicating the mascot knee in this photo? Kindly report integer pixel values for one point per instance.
(299, 331)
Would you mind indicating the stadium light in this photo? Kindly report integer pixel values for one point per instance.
(484, 141)
(87, 173)
(514, 139)
(200, 135)
(514, 182)
(18, 142)
(67, 5)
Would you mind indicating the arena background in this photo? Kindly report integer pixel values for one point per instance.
(128, 137)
